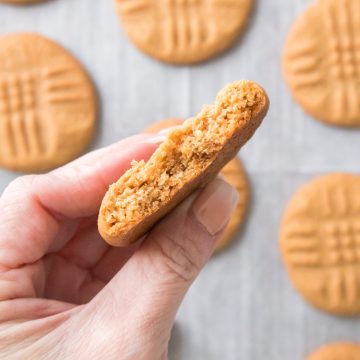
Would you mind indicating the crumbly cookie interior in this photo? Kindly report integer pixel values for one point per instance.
(186, 152)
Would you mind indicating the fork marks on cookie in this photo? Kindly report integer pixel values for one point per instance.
(343, 61)
(20, 133)
(24, 99)
(322, 60)
(60, 85)
(342, 287)
(176, 27)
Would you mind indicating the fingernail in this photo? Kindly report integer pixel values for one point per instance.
(157, 139)
(215, 205)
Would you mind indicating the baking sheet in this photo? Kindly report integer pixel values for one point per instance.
(242, 306)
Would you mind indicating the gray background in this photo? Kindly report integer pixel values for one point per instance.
(242, 306)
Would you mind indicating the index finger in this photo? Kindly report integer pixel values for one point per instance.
(40, 211)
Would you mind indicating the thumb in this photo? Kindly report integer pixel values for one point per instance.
(150, 287)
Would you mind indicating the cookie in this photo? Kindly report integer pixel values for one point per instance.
(47, 104)
(183, 31)
(340, 351)
(320, 243)
(321, 61)
(189, 158)
(234, 173)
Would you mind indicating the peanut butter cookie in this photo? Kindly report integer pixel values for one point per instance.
(321, 61)
(190, 157)
(47, 104)
(234, 173)
(320, 243)
(183, 31)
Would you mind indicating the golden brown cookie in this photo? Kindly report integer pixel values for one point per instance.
(189, 158)
(339, 351)
(183, 31)
(234, 173)
(320, 243)
(47, 104)
(321, 60)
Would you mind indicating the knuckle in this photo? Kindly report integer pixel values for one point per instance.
(21, 183)
(179, 256)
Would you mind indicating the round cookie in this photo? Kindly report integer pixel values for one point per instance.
(234, 174)
(339, 351)
(320, 243)
(47, 104)
(183, 31)
(321, 61)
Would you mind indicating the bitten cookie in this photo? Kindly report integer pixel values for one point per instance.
(321, 61)
(320, 243)
(234, 173)
(340, 351)
(190, 157)
(47, 104)
(183, 31)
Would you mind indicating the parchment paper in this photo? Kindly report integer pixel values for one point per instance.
(243, 305)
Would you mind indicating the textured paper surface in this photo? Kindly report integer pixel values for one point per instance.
(242, 306)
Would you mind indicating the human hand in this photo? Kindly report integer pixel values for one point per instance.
(66, 294)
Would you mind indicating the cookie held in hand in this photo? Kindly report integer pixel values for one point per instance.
(234, 174)
(189, 158)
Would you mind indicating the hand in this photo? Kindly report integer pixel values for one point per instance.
(65, 294)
